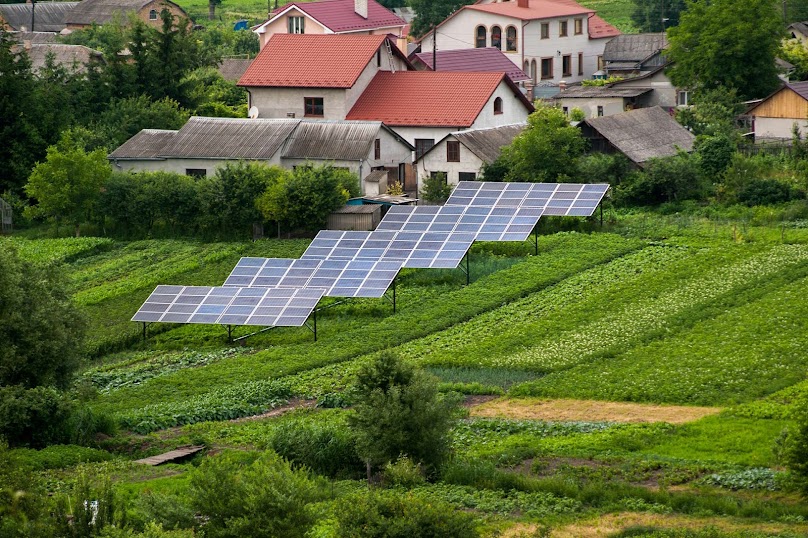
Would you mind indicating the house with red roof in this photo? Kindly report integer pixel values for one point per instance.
(316, 76)
(551, 40)
(484, 60)
(425, 106)
(333, 17)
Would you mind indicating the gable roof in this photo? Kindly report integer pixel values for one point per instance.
(337, 140)
(233, 68)
(48, 16)
(537, 9)
(487, 143)
(482, 60)
(34, 37)
(800, 27)
(104, 11)
(147, 144)
(800, 88)
(313, 61)
(339, 15)
(599, 28)
(594, 92)
(229, 138)
(429, 98)
(643, 134)
(634, 47)
(74, 58)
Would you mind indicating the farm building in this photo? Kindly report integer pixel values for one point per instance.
(774, 117)
(204, 144)
(461, 155)
(101, 12)
(40, 17)
(640, 135)
(74, 58)
(364, 217)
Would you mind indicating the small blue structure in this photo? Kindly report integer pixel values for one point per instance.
(241, 25)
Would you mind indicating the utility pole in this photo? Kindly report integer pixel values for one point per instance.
(33, 8)
(434, 48)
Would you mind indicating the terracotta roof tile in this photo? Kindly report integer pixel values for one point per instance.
(339, 15)
(538, 9)
(599, 28)
(311, 61)
(427, 98)
(482, 60)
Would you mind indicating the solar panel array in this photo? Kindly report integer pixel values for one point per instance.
(284, 292)
(556, 199)
(229, 306)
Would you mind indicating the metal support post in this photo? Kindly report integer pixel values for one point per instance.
(394, 296)
(229, 333)
(468, 269)
(144, 331)
(535, 241)
(601, 214)
(315, 324)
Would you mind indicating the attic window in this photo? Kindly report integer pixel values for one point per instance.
(313, 106)
(153, 15)
(453, 151)
(498, 105)
(296, 25)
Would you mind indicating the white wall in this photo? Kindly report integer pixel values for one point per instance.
(435, 161)
(777, 127)
(611, 105)
(536, 48)
(513, 109)
(279, 102)
(664, 93)
(435, 133)
(178, 166)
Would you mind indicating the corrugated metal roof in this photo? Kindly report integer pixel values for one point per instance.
(599, 28)
(233, 69)
(633, 48)
(376, 176)
(482, 60)
(589, 92)
(147, 144)
(230, 138)
(644, 133)
(48, 16)
(34, 37)
(103, 11)
(74, 58)
(429, 98)
(801, 88)
(359, 209)
(337, 140)
(340, 15)
(487, 143)
(313, 61)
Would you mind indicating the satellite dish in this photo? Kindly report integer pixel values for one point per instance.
(253, 113)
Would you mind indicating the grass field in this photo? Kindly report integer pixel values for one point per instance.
(642, 376)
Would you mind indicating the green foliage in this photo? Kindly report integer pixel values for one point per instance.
(767, 191)
(432, 12)
(225, 41)
(648, 15)
(666, 179)
(327, 449)
(88, 509)
(436, 189)
(712, 112)
(55, 457)
(600, 82)
(209, 91)
(403, 473)
(264, 497)
(727, 43)
(577, 114)
(611, 168)
(715, 155)
(400, 412)
(41, 332)
(125, 117)
(167, 510)
(797, 447)
(33, 417)
(68, 184)
(396, 515)
(547, 150)
(794, 52)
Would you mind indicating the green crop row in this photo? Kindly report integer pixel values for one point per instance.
(532, 504)
(59, 250)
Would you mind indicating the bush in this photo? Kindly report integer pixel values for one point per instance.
(603, 168)
(767, 192)
(327, 449)
(392, 515)
(669, 179)
(404, 473)
(436, 189)
(33, 417)
(169, 511)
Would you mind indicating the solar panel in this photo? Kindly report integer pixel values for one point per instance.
(413, 249)
(266, 307)
(338, 277)
(559, 199)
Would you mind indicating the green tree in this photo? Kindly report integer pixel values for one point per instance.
(429, 13)
(727, 43)
(547, 150)
(124, 118)
(68, 184)
(796, 453)
(264, 497)
(668, 179)
(712, 112)
(796, 53)
(41, 332)
(400, 412)
(436, 189)
(648, 15)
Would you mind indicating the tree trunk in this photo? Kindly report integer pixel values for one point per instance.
(367, 464)
(211, 10)
(78, 230)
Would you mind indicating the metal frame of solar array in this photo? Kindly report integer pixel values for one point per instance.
(556, 199)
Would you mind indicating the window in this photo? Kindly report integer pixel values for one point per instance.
(313, 106)
(682, 98)
(496, 37)
(546, 68)
(533, 72)
(467, 176)
(436, 175)
(296, 25)
(153, 15)
(379, 57)
(566, 65)
(377, 149)
(422, 145)
(498, 105)
(545, 30)
(510, 39)
(196, 172)
(600, 111)
(579, 26)
(565, 110)
(562, 29)
(580, 63)
(452, 151)
(482, 37)
(600, 63)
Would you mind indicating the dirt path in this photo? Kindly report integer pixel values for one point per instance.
(589, 410)
(295, 403)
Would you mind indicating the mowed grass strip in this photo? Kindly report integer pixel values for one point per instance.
(589, 410)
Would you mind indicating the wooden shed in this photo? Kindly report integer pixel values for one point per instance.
(363, 217)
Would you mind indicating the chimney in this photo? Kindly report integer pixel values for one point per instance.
(361, 8)
(562, 85)
(522, 3)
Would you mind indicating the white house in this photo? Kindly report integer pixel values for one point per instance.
(316, 76)
(774, 117)
(551, 40)
(358, 17)
(460, 156)
(202, 145)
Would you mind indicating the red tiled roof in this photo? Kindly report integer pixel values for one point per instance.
(312, 60)
(339, 15)
(598, 28)
(482, 60)
(538, 9)
(428, 98)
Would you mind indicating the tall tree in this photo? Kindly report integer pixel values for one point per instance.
(727, 43)
(656, 15)
(432, 12)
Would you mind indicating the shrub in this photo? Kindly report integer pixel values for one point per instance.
(404, 473)
(667, 179)
(436, 189)
(168, 511)
(33, 417)
(766, 192)
(327, 449)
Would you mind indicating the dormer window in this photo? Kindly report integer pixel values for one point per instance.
(153, 15)
(296, 25)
